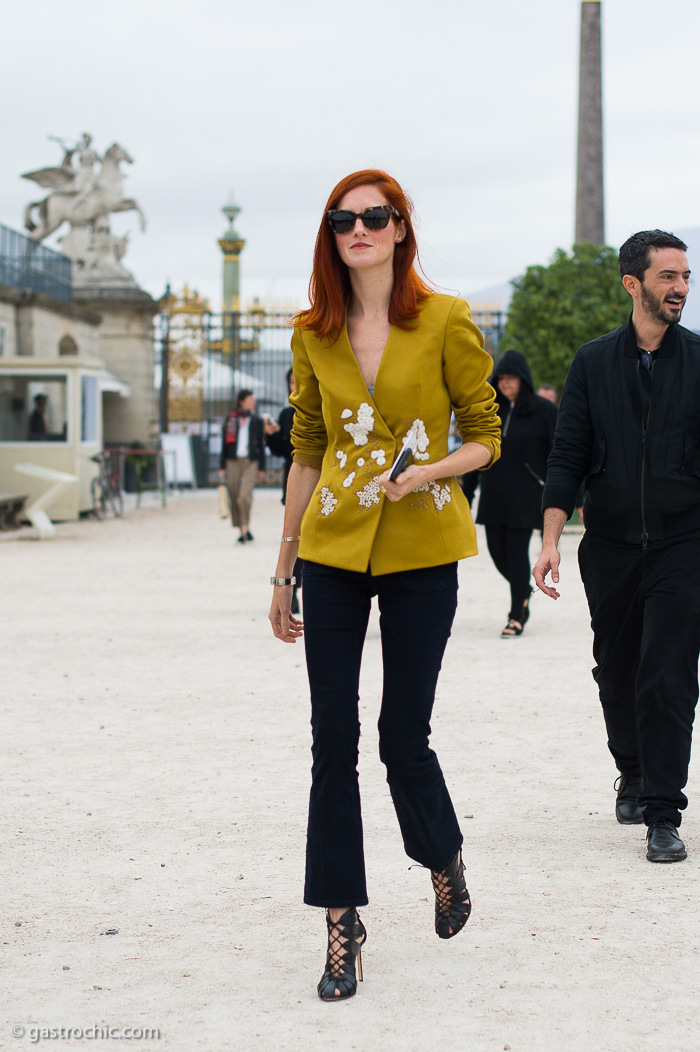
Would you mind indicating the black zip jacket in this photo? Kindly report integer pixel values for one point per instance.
(511, 491)
(632, 436)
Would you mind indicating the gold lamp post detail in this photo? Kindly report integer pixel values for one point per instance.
(231, 245)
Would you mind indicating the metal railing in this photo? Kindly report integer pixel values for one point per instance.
(26, 264)
(212, 356)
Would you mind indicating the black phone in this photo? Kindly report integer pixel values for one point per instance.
(400, 463)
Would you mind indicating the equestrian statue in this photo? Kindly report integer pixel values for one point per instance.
(82, 195)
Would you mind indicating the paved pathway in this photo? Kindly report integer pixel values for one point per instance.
(154, 782)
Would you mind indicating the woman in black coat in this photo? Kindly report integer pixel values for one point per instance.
(510, 506)
(278, 439)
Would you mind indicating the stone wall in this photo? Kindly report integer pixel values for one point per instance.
(36, 324)
(126, 346)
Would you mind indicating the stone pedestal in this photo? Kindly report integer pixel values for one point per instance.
(126, 346)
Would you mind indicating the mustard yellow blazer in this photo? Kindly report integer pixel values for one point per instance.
(426, 372)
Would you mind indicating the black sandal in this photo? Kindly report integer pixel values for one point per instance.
(516, 622)
(452, 902)
(512, 629)
(345, 939)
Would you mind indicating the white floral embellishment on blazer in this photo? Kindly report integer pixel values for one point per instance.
(379, 456)
(369, 494)
(328, 501)
(441, 494)
(422, 440)
(365, 423)
(349, 480)
(342, 457)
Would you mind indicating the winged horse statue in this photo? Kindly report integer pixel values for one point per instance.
(80, 195)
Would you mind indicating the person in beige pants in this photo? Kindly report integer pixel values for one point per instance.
(242, 460)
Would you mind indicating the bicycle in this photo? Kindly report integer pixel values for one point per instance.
(105, 488)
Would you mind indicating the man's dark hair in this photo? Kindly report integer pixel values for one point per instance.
(242, 395)
(635, 254)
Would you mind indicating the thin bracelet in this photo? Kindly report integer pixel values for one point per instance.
(282, 582)
(297, 538)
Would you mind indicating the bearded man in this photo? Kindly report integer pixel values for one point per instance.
(629, 430)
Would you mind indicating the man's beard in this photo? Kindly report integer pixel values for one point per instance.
(657, 309)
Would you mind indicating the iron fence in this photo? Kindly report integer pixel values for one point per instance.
(26, 264)
(210, 357)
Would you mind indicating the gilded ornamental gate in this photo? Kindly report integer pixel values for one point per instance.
(205, 358)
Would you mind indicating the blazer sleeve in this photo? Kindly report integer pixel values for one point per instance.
(570, 458)
(466, 368)
(309, 436)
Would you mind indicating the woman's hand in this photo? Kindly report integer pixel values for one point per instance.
(408, 482)
(271, 428)
(285, 625)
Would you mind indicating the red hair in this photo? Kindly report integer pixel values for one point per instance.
(329, 287)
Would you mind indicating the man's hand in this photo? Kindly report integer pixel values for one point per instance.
(548, 561)
(261, 477)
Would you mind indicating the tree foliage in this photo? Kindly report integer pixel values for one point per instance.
(556, 308)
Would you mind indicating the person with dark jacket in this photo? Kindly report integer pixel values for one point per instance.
(38, 430)
(510, 506)
(629, 429)
(242, 459)
(278, 438)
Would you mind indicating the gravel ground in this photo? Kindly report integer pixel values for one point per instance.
(154, 787)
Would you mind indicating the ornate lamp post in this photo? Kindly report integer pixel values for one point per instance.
(231, 244)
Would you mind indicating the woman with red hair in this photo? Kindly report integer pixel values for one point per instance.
(380, 362)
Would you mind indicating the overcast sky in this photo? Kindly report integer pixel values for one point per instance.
(471, 105)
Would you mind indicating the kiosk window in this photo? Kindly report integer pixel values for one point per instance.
(33, 408)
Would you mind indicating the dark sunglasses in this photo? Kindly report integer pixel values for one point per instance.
(375, 218)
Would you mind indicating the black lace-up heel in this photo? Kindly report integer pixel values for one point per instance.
(452, 902)
(345, 939)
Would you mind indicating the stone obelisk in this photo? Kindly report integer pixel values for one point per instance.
(590, 216)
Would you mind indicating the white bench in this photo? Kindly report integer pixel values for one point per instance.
(35, 511)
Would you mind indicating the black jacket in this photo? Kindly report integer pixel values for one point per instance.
(632, 436)
(280, 444)
(256, 440)
(511, 491)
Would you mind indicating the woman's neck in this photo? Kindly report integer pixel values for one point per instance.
(371, 293)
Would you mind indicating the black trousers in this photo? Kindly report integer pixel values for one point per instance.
(417, 609)
(645, 615)
(509, 548)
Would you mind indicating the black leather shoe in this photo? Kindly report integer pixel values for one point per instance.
(663, 842)
(249, 536)
(627, 810)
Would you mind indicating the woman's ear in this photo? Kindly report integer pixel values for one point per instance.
(400, 231)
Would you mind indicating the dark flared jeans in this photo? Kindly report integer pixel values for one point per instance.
(645, 615)
(417, 608)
